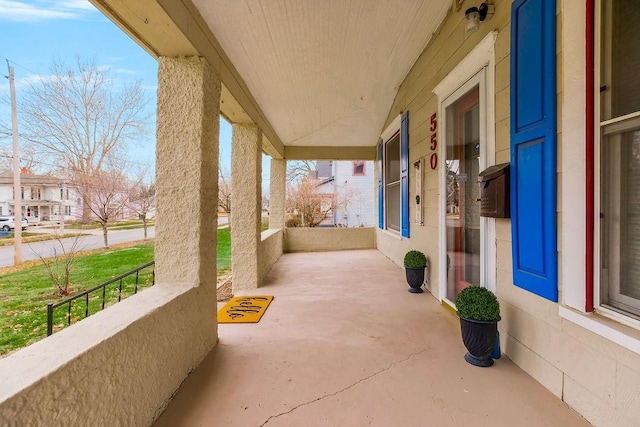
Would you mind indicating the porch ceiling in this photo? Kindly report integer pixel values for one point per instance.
(324, 73)
(309, 73)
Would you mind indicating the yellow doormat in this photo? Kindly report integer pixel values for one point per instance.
(247, 309)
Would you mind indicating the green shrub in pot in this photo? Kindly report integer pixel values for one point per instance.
(479, 313)
(478, 303)
(415, 259)
(415, 264)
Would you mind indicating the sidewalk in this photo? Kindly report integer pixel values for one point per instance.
(55, 229)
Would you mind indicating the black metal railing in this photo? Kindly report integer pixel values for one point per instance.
(121, 280)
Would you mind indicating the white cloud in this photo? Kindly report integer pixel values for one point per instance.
(78, 4)
(127, 71)
(114, 58)
(26, 81)
(12, 10)
(37, 78)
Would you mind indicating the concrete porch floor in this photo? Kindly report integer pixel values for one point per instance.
(344, 344)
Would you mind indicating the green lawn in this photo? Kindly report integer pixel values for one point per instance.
(224, 251)
(24, 294)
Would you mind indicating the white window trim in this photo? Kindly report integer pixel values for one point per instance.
(391, 130)
(482, 57)
(387, 134)
(618, 328)
(623, 335)
(573, 177)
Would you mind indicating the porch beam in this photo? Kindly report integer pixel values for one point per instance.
(329, 153)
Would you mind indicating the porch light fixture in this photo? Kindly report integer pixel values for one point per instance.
(474, 15)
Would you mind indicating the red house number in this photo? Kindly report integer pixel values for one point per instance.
(433, 160)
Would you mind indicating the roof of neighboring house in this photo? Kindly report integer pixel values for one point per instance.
(324, 181)
(30, 179)
(320, 185)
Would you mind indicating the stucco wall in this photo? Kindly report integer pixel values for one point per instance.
(593, 374)
(306, 239)
(246, 199)
(271, 247)
(118, 367)
(122, 365)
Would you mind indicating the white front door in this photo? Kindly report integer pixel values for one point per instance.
(466, 253)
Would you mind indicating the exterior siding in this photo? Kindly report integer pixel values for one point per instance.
(597, 377)
(48, 203)
(359, 210)
(355, 193)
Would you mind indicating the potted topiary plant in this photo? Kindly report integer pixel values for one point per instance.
(479, 313)
(415, 264)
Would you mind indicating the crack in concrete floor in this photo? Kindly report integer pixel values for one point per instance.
(391, 365)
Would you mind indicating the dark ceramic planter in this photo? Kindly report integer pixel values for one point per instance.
(480, 338)
(415, 278)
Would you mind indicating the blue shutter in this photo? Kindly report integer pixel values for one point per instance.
(380, 186)
(533, 146)
(404, 174)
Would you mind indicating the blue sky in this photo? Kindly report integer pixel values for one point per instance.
(34, 33)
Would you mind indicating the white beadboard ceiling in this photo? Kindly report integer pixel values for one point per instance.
(325, 72)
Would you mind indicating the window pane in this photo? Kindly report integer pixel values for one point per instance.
(393, 160)
(463, 210)
(393, 206)
(620, 200)
(621, 56)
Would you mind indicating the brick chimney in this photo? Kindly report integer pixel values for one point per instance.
(24, 171)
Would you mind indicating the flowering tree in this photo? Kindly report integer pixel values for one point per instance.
(106, 192)
(142, 201)
(308, 203)
(224, 193)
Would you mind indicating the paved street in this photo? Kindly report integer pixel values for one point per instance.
(46, 249)
(31, 251)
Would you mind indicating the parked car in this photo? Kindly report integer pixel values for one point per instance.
(9, 223)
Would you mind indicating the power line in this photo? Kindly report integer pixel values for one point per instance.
(21, 66)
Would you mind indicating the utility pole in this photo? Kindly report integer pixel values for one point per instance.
(17, 193)
(63, 191)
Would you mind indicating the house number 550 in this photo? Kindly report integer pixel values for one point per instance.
(433, 160)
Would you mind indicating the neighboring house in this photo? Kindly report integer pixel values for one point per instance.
(351, 184)
(44, 197)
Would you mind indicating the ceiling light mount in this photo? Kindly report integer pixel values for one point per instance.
(474, 15)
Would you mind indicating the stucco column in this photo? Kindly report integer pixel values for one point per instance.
(187, 172)
(246, 202)
(277, 192)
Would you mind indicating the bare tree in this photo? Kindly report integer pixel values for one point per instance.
(59, 266)
(300, 169)
(30, 158)
(224, 193)
(80, 116)
(142, 200)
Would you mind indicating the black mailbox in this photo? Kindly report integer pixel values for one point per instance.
(494, 191)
